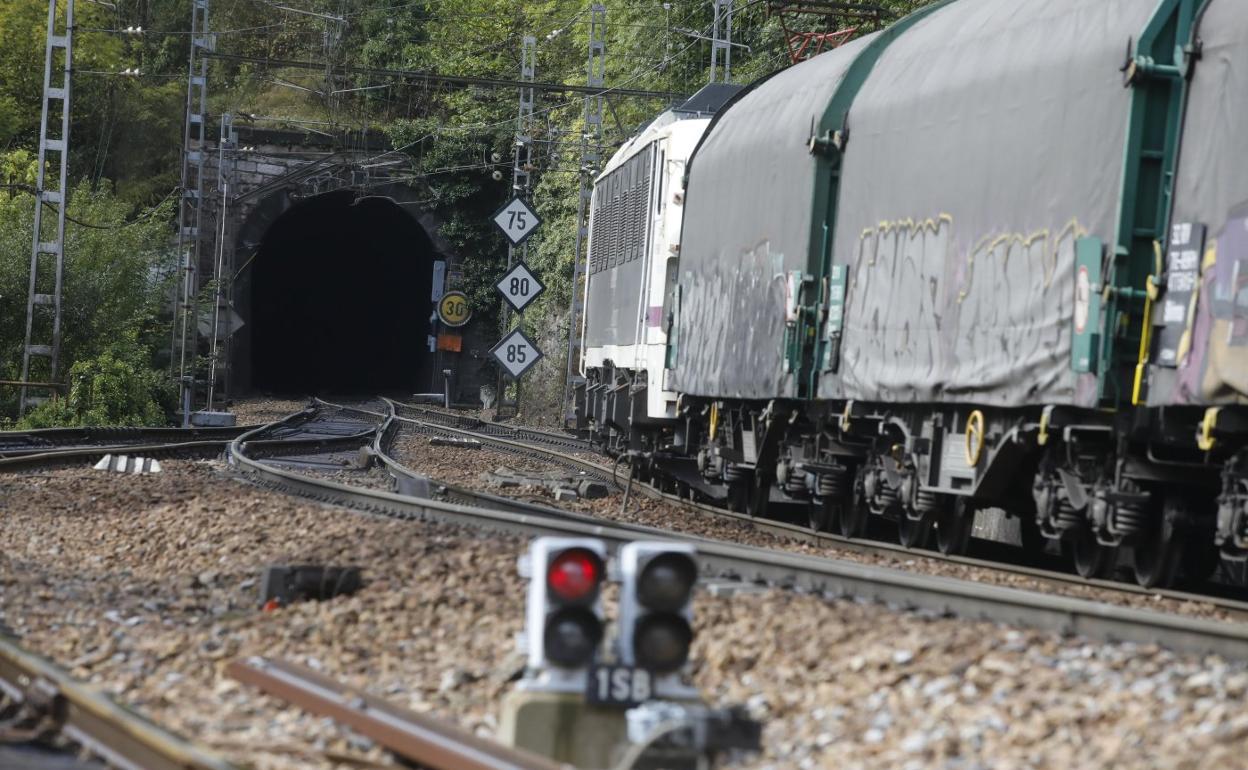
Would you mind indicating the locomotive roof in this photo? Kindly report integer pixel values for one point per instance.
(701, 106)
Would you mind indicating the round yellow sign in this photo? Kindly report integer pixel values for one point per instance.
(453, 308)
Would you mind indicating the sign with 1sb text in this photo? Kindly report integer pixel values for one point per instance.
(516, 220)
(516, 353)
(453, 309)
(622, 686)
(520, 287)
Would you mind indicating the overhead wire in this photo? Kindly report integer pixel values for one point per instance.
(147, 214)
(481, 126)
(604, 92)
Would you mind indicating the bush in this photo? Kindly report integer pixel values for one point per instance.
(118, 269)
(114, 388)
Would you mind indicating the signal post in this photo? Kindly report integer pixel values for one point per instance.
(592, 701)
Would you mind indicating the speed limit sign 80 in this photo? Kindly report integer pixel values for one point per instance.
(519, 286)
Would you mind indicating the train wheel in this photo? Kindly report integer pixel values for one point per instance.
(914, 533)
(1091, 559)
(1157, 553)
(953, 527)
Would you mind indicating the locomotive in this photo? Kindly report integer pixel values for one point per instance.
(990, 258)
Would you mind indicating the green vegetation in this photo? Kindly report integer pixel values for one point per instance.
(117, 273)
(127, 136)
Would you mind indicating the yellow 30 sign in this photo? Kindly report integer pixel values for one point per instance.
(453, 308)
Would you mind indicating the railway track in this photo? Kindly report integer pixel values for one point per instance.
(729, 561)
(69, 446)
(1232, 606)
(519, 434)
(423, 741)
(45, 701)
(41, 701)
(45, 440)
(524, 442)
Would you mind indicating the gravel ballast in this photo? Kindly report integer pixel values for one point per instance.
(148, 586)
(467, 467)
(259, 410)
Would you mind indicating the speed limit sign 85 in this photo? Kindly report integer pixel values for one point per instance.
(516, 353)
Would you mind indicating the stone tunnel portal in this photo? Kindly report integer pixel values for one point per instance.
(340, 299)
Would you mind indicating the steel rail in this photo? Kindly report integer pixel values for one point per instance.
(820, 575)
(800, 533)
(57, 457)
(429, 487)
(517, 432)
(217, 442)
(421, 739)
(511, 444)
(42, 440)
(76, 454)
(90, 719)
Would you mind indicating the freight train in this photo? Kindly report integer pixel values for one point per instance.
(992, 257)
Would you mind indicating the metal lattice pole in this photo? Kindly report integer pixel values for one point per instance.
(721, 41)
(190, 213)
(521, 179)
(218, 360)
(591, 157)
(38, 297)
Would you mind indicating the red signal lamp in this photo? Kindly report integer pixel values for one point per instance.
(575, 575)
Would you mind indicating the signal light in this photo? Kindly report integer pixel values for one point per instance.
(666, 581)
(656, 610)
(574, 575)
(564, 626)
(572, 636)
(661, 642)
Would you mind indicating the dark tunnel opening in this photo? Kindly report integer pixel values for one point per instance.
(340, 299)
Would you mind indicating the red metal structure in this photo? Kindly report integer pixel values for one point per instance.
(839, 22)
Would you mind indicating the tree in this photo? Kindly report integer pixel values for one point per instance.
(116, 280)
(127, 137)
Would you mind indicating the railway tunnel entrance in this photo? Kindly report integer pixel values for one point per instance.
(340, 299)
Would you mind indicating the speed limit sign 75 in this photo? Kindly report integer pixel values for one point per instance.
(517, 220)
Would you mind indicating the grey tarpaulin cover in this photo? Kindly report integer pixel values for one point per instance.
(986, 139)
(747, 222)
(1212, 182)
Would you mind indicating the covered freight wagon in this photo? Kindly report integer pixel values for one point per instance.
(993, 256)
(975, 143)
